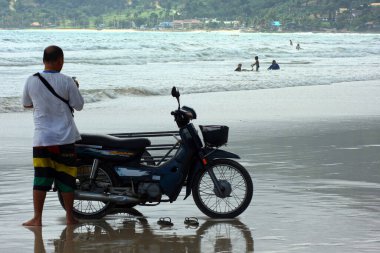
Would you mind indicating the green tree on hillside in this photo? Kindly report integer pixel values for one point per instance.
(297, 14)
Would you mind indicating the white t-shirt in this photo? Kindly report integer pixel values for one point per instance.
(53, 122)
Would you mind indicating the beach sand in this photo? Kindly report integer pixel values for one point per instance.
(312, 152)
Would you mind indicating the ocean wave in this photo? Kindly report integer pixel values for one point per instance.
(13, 104)
(145, 54)
(95, 47)
(19, 61)
(297, 62)
(10, 104)
(97, 95)
(19, 64)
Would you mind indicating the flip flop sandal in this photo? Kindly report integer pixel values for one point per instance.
(191, 222)
(165, 221)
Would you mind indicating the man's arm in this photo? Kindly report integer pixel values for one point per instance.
(75, 97)
(26, 100)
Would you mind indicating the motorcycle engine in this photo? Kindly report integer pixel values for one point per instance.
(150, 191)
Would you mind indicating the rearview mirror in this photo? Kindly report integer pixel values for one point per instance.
(175, 92)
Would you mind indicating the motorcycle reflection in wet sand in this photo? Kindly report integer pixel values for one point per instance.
(136, 235)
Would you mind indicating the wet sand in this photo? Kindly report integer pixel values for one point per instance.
(313, 154)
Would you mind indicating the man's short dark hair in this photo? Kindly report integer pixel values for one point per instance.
(52, 54)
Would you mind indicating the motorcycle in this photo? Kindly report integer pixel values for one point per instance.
(116, 172)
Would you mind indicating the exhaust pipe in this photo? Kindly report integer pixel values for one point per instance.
(119, 199)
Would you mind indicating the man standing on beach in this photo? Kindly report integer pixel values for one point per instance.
(55, 133)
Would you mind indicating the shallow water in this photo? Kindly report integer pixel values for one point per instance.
(316, 190)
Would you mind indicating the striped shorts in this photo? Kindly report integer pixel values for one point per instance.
(54, 164)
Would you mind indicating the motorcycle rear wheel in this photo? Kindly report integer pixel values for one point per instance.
(236, 185)
(88, 209)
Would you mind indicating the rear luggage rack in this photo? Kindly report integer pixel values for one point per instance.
(160, 151)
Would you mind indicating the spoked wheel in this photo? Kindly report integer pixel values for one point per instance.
(89, 209)
(234, 193)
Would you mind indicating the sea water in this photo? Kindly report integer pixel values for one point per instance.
(111, 64)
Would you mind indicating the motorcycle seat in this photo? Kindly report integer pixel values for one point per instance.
(109, 141)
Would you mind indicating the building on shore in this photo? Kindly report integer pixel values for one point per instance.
(187, 24)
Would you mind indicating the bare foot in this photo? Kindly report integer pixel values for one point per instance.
(37, 230)
(32, 223)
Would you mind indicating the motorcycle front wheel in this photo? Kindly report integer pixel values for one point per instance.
(90, 209)
(236, 189)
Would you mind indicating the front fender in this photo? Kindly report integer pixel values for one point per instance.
(212, 154)
(209, 155)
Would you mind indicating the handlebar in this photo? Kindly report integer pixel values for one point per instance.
(183, 115)
(183, 112)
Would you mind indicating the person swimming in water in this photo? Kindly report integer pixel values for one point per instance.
(239, 68)
(274, 66)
